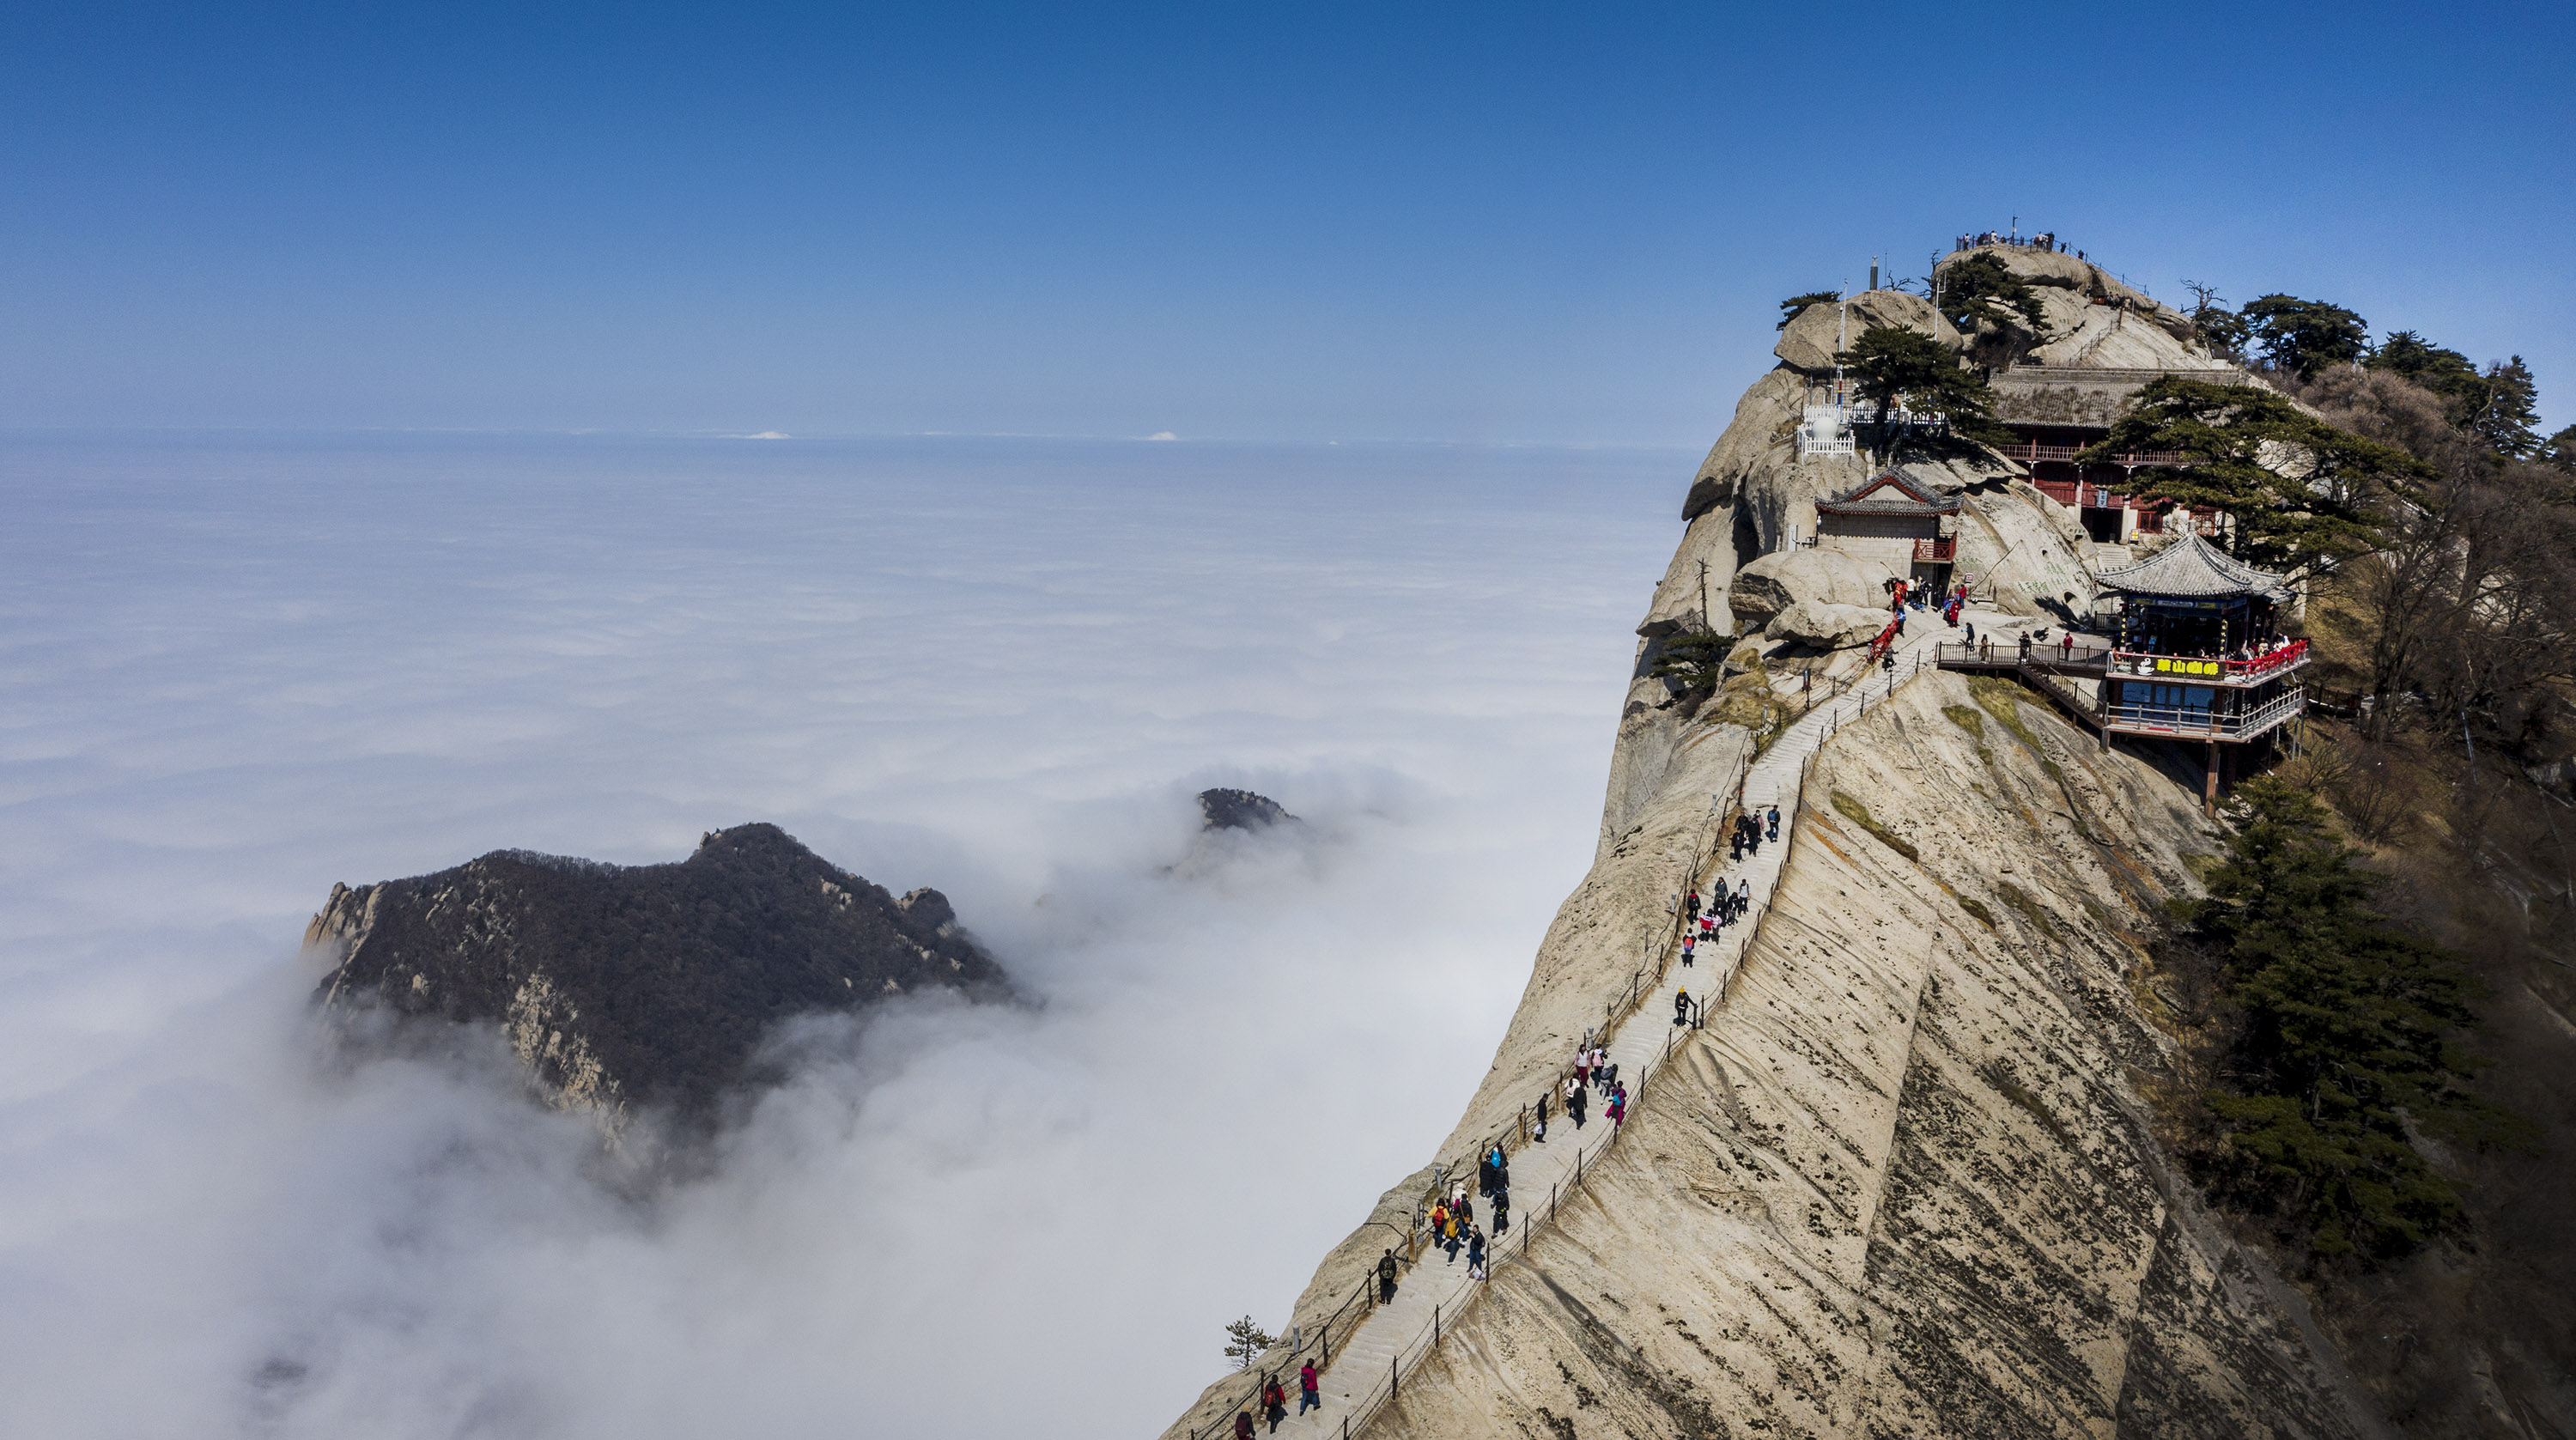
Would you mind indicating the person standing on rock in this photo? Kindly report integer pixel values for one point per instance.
(1308, 1389)
(1538, 1132)
(1691, 907)
(1386, 1268)
(1687, 942)
(1743, 896)
(1681, 1005)
(1774, 823)
(1502, 1211)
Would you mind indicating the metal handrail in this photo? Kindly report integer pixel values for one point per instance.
(2193, 723)
(1428, 1339)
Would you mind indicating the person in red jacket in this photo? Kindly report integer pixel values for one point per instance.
(1307, 1396)
(1274, 1403)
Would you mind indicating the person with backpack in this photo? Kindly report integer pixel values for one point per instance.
(1242, 1425)
(1476, 1256)
(1274, 1402)
(1775, 822)
(1617, 1109)
(1386, 1268)
(1681, 1005)
(1308, 1396)
(1502, 1211)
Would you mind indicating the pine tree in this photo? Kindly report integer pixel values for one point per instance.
(1981, 288)
(1796, 305)
(1894, 364)
(1695, 658)
(2305, 336)
(2506, 411)
(2229, 437)
(2347, 1031)
(1245, 1342)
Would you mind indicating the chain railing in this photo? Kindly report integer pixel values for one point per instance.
(1354, 1311)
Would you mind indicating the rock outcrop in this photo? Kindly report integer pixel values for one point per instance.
(1240, 810)
(646, 985)
(1826, 627)
(1784, 578)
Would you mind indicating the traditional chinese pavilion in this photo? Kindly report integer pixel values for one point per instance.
(2196, 655)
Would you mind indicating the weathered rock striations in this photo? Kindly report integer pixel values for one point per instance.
(1903, 1183)
(644, 985)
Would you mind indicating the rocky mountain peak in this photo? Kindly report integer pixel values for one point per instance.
(1239, 810)
(628, 985)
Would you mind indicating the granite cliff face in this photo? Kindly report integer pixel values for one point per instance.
(647, 985)
(1904, 1183)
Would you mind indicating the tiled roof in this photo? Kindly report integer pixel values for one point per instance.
(1889, 494)
(2195, 568)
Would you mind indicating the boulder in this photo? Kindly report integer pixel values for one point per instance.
(1811, 339)
(1827, 627)
(1775, 582)
(2107, 337)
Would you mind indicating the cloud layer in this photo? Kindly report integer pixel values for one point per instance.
(244, 669)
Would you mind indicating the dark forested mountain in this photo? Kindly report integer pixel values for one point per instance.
(644, 985)
(1239, 810)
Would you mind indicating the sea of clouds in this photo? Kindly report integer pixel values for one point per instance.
(240, 668)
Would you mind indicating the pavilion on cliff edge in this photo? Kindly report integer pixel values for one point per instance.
(2196, 655)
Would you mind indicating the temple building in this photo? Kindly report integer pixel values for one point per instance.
(2196, 655)
(2055, 412)
(1894, 522)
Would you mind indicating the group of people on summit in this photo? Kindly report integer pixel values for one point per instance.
(2045, 240)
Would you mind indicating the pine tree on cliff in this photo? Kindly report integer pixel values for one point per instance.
(2345, 1032)
(2229, 436)
(1796, 305)
(1892, 363)
(1981, 288)
(2305, 336)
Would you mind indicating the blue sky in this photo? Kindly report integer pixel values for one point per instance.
(1561, 224)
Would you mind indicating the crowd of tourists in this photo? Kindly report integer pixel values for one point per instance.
(2045, 240)
(1454, 1226)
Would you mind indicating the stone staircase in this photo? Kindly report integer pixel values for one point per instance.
(1366, 1368)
